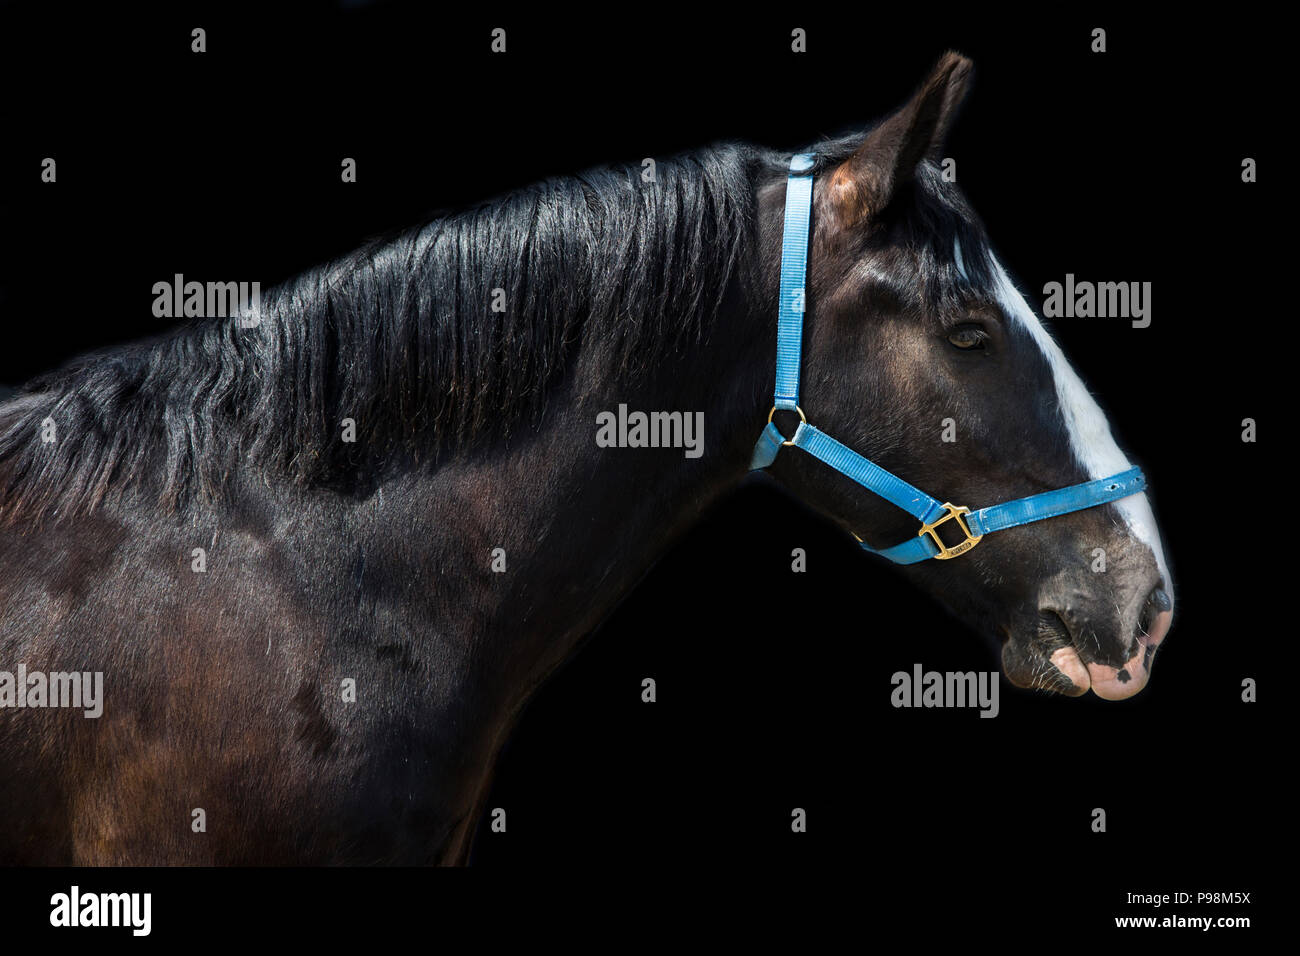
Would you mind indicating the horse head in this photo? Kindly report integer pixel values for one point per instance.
(920, 354)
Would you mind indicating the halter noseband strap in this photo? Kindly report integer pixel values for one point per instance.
(929, 511)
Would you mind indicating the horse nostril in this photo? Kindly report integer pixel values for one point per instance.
(1052, 629)
(1154, 621)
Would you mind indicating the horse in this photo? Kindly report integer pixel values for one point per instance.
(323, 553)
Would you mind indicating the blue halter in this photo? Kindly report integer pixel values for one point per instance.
(929, 511)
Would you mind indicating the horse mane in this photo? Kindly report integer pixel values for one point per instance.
(400, 336)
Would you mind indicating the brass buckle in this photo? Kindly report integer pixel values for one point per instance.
(945, 552)
(802, 417)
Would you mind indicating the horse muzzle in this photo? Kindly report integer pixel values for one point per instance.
(1091, 643)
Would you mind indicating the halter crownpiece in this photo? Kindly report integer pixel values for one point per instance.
(931, 512)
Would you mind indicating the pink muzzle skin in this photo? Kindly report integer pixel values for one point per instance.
(1115, 683)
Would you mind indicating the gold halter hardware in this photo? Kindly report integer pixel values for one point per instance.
(945, 552)
(802, 417)
(955, 513)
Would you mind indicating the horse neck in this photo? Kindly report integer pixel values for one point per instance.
(579, 524)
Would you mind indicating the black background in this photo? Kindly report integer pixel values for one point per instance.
(773, 687)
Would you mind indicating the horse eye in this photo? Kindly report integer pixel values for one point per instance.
(968, 337)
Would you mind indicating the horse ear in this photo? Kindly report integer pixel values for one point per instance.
(864, 183)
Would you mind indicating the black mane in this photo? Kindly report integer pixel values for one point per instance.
(399, 336)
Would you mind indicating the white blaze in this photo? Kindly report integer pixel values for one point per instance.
(1090, 438)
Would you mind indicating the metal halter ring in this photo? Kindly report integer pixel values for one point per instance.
(802, 417)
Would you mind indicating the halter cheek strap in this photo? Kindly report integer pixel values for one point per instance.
(931, 512)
